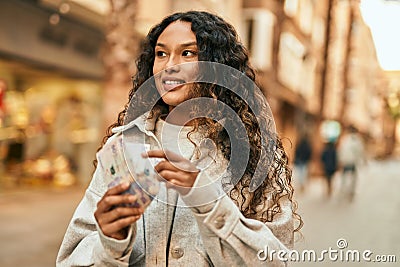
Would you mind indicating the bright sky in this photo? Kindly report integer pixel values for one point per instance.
(383, 17)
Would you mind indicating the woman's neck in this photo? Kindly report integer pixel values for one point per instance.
(177, 118)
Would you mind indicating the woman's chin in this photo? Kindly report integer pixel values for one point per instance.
(172, 101)
(174, 96)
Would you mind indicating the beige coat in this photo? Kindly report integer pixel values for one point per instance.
(173, 235)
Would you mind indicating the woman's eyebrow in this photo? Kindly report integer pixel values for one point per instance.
(189, 44)
(181, 45)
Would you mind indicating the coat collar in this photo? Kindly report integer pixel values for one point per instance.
(144, 122)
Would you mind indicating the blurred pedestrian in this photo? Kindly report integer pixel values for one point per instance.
(301, 161)
(350, 154)
(195, 219)
(329, 162)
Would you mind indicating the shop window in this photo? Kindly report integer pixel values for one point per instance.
(249, 31)
(306, 16)
(291, 7)
(258, 36)
(291, 56)
(307, 86)
(318, 32)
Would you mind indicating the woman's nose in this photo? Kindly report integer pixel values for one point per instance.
(172, 64)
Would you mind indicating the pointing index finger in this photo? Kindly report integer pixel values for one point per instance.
(167, 154)
(154, 154)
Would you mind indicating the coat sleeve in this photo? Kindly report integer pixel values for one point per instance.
(84, 244)
(230, 239)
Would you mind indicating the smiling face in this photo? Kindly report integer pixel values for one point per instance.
(175, 45)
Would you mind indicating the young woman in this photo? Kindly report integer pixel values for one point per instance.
(204, 214)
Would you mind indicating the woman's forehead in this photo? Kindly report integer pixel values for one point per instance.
(177, 31)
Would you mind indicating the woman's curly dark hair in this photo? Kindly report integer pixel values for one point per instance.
(218, 42)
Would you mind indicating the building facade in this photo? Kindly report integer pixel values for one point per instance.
(320, 49)
(310, 56)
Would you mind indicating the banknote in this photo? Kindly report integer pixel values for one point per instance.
(121, 161)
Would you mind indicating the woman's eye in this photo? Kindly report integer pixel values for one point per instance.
(160, 54)
(188, 53)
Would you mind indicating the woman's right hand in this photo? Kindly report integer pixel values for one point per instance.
(113, 217)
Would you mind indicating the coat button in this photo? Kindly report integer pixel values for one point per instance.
(219, 222)
(177, 252)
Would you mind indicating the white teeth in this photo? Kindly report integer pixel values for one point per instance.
(173, 82)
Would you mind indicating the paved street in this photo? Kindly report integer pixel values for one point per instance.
(33, 222)
(370, 222)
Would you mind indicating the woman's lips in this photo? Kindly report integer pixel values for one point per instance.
(171, 83)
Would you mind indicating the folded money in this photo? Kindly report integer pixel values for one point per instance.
(121, 161)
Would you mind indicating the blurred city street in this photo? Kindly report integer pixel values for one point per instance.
(328, 70)
(34, 221)
(370, 222)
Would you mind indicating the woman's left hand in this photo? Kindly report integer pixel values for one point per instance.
(176, 171)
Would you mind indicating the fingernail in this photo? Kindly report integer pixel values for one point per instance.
(132, 198)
